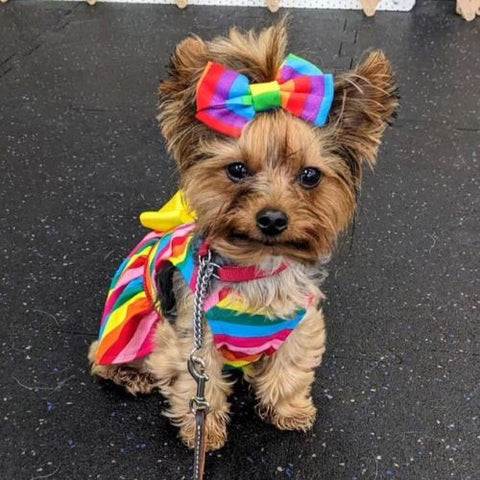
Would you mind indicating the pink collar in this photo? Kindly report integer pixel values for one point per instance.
(238, 273)
(235, 273)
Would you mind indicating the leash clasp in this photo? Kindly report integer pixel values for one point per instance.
(199, 407)
(196, 368)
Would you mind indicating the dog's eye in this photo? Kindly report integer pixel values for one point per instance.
(310, 177)
(237, 171)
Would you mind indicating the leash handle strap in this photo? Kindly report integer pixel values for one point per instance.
(199, 453)
(199, 405)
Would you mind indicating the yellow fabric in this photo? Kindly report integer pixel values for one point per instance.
(261, 88)
(174, 213)
(231, 303)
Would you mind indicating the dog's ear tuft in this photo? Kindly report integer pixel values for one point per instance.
(364, 104)
(186, 65)
(258, 55)
(177, 100)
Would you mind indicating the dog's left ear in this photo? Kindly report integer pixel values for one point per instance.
(365, 101)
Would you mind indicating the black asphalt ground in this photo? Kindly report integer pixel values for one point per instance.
(81, 156)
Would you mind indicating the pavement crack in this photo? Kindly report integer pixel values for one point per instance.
(400, 123)
(79, 108)
(41, 38)
(75, 333)
(57, 387)
(33, 50)
(466, 129)
(5, 72)
(48, 475)
(470, 354)
(8, 59)
(47, 314)
(65, 21)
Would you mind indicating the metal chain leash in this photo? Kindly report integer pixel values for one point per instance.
(199, 405)
(206, 270)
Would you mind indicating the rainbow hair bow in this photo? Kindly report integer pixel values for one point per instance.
(226, 100)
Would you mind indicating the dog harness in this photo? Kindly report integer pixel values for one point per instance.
(132, 310)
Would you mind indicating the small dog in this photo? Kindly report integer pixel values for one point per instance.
(272, 191)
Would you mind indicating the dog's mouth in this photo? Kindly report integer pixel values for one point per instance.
(243, 239)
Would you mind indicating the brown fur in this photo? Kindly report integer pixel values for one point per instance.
(275, 146)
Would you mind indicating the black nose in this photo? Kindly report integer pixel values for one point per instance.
(272, 222)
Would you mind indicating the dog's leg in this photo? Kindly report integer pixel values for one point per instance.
(169, 363)
(283, 381)
(134, 377)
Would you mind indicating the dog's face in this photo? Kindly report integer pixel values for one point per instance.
(284, 188)
(277, 190)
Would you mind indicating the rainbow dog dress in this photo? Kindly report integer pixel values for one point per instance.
(132, 310)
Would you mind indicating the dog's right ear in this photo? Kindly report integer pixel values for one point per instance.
(178, 101)
(186, 66)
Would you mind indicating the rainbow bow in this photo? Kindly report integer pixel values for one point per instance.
(226, 100)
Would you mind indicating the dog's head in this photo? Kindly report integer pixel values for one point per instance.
(284, 187)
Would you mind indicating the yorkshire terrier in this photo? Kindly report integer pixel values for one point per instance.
(273, 180)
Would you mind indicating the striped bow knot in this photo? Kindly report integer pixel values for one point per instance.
(226, 100)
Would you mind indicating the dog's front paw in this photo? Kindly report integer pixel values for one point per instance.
(215, 433)
(293, 415)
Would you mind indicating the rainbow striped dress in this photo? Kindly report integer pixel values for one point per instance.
(132, 309)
